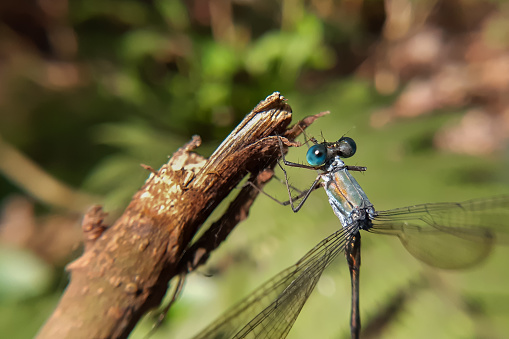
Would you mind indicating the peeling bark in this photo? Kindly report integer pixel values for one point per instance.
(125, 269)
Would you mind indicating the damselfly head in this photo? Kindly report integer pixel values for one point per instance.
(318, 154)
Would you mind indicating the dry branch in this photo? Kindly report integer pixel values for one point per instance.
(125, 269)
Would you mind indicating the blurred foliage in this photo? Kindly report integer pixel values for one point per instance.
(91, 89)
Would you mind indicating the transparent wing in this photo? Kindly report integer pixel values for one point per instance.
(448, 235)
(271, 310)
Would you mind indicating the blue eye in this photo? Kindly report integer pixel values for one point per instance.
(316, 155)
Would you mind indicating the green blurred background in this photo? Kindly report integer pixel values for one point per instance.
(91, 89)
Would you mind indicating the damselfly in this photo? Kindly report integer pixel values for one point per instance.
(444, 235)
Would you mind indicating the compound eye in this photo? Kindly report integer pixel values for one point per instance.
(316, 155)
(347, 147)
